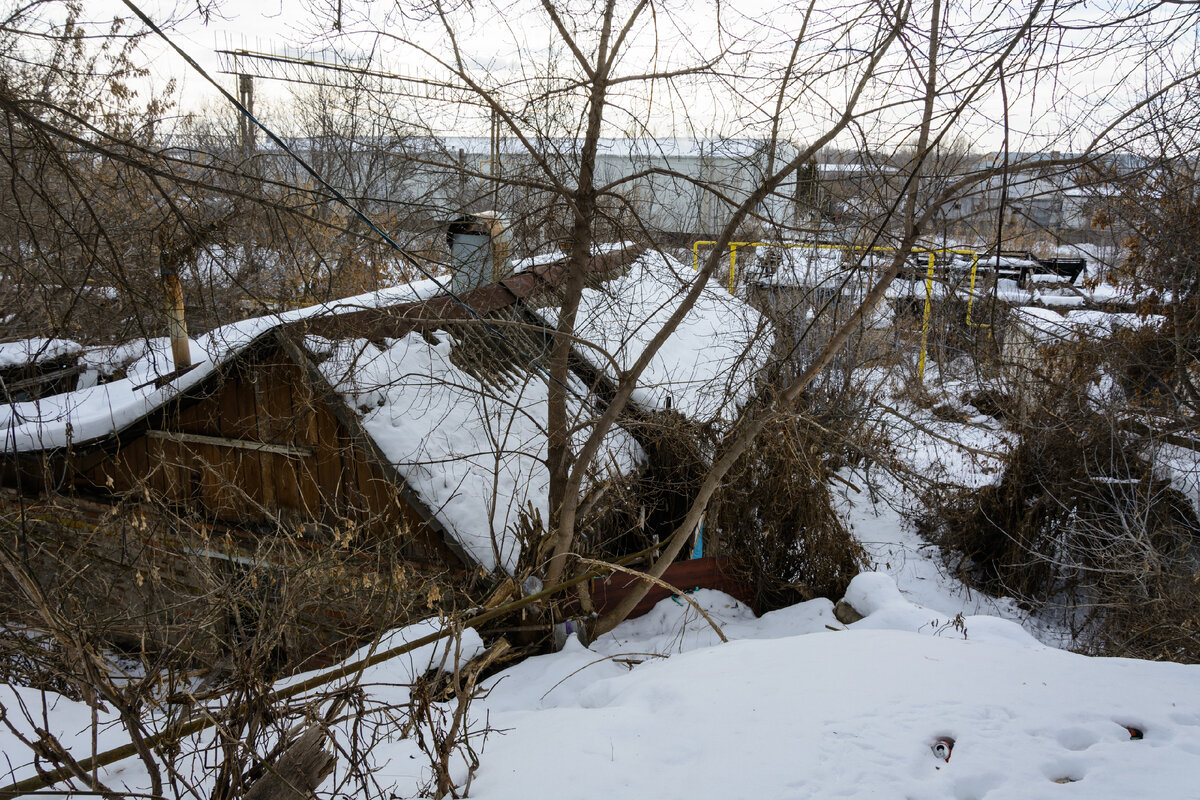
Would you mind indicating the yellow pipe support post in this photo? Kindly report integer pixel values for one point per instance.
(732, 263)
(971, 291)
(925, 320)
(971, 294)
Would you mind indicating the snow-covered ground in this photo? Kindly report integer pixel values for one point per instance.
(790, 708)
(795, 704)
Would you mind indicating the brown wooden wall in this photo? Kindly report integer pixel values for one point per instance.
(265, 397)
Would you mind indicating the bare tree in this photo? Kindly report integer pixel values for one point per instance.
(898, 83)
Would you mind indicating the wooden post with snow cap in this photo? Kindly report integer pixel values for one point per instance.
(181, 352)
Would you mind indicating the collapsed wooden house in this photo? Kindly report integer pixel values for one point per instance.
(371, 452)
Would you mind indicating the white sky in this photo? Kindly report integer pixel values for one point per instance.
(1049, 113)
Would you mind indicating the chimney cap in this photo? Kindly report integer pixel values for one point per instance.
(481, 223)
(468, 223)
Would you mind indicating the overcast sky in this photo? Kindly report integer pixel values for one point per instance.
(1073, 97)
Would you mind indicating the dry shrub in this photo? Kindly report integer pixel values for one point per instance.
(1150, 364)
(30, 658)
(653, 503)
(172, 594)
(776, 519)
(1079, 524)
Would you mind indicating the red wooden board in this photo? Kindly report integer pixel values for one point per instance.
(704, 573)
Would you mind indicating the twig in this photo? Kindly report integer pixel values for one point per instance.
(674, 590)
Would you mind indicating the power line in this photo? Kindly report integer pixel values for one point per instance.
(342, 198)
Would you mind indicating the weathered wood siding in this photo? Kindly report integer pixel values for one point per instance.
(312, 469)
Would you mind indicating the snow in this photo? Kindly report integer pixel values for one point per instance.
(474, 451)
(1010, 291)
(1127, 294)
(1048, 278)
(442, 655)
(36, 351)
(91, 413)
(1181, 467)
(1043, 324)
(905, 289)
(1011, 263)
(1048, 325)
(912, 563)
(809, 266)
(790, 708)
(876, 596)
(705, 369)
(1060, 300)
(598, 249)
(796, 705)
(529, 262)
(1105, 323)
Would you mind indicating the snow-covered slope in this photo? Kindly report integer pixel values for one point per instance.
(796, 705)
(704, 370)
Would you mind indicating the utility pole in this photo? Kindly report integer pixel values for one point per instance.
(245, 126)
(495, 161)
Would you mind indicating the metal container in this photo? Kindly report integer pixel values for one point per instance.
(480, 249)
(564, 629)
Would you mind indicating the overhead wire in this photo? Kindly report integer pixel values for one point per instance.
(333, 190)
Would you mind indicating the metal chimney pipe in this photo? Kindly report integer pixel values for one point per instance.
(181, 351)
(480, 250)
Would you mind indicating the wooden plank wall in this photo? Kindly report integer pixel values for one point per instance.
(265, 397)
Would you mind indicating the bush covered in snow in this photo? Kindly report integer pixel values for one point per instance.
(1080, 525)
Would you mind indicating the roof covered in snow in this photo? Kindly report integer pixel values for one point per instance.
(810, 266)
(706, 369)
(1047, 325)
(96, 412)
(457, 412)
(473, 447)
(27, 352)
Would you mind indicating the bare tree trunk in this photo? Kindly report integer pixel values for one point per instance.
(563, 495)
(752, 427)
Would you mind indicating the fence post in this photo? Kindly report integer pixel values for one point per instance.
(925, 320)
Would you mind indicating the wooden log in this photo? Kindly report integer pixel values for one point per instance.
(293, 450)
(297, 773)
